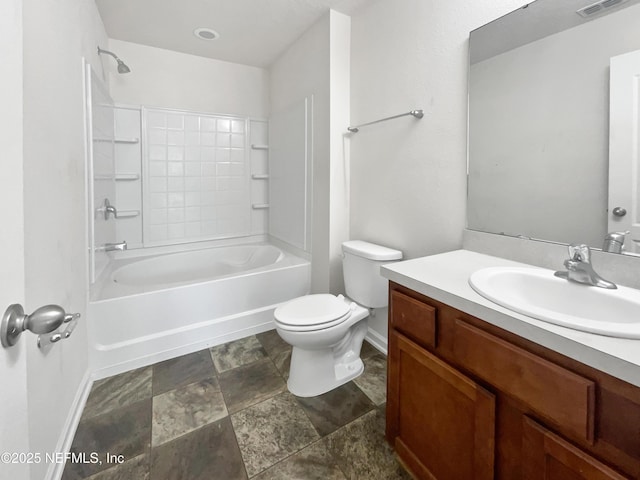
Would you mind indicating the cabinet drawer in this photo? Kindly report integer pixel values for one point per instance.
(534, 381)
(414, 319)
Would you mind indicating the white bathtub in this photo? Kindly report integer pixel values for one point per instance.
(149, 309)
(197, 266)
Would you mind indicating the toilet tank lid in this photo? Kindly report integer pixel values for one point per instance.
(370, 250)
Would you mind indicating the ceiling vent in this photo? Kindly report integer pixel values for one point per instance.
(599, 7)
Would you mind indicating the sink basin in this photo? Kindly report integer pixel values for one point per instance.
(537, 293)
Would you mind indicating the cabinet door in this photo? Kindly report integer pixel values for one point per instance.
(440, 422)
(546, 456)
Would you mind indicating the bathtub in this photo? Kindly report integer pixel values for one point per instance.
(152, 308)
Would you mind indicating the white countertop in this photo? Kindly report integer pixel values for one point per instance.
(445, 278)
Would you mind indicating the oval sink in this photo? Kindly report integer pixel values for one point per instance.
(537, 293)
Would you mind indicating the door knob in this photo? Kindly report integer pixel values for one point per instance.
(44, 320)
(619, 212)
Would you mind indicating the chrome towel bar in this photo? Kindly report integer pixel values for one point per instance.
(415, 113)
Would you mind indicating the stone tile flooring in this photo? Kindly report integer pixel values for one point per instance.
(225, 413)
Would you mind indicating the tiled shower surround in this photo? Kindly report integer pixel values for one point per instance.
(225, 413)
(196, 177)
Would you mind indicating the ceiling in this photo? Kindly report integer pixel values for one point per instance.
(252, 32)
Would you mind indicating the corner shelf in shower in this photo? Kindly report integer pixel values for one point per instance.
(117, 140)
(127, 177)
(260, 176)
(260, 206)
(128, 213)
(103, 176)
(259, 146)
(118, 177)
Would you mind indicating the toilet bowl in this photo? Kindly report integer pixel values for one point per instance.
(327, 331)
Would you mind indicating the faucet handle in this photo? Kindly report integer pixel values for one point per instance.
(580, 253)
(109, 209)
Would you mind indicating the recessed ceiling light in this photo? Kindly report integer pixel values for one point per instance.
(206, 34)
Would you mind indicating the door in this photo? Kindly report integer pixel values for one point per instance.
(43, 235)
(441, 423)
(624, 148)
(545, 456)
(13, 363)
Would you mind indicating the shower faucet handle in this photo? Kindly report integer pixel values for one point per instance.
(109, 210)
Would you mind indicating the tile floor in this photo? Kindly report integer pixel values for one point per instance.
(225, 413)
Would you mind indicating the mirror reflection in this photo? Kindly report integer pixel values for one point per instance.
(553, 111)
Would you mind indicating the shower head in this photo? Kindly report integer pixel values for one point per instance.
(122, 67)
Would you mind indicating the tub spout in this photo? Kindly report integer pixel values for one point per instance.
(112, 247)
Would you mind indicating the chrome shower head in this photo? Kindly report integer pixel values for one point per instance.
(122, 67)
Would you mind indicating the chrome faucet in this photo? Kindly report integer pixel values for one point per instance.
(107, 210)
(110, 210)
(614, 242)
(112, 247)
(579, 268)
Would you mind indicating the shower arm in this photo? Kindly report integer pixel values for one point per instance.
(122, 67)
(101, 51)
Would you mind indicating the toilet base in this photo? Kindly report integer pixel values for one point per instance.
(318, 375)
(314, 372)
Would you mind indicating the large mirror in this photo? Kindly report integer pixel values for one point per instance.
(553, 122)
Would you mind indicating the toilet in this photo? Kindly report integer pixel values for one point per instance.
(326, 331)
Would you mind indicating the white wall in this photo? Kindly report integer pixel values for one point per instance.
(163, 78)
(561, 105)
(57, 34)
(408, 176)
(302, 72)
(317, 68)
(290, 143)
(339, 141)
(13, 362)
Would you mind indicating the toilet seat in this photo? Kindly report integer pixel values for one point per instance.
(313, 312)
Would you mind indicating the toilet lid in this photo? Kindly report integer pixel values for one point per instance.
(312, 310)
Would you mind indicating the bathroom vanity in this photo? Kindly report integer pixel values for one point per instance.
(476, 391)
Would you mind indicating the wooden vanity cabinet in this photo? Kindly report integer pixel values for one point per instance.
(437, 405)
(468, 400)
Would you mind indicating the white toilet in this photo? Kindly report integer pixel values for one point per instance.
(326, 331)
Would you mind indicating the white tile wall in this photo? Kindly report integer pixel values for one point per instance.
(196, 177)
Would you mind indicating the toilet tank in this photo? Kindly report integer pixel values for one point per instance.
(361, 267)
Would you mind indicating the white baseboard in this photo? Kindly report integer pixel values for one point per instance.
(377, 340)
(55, 470)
